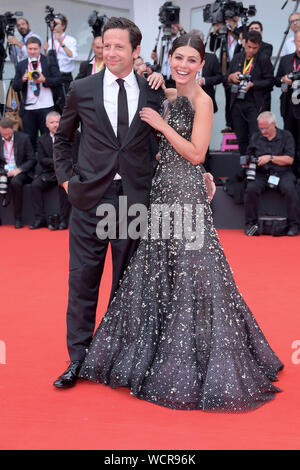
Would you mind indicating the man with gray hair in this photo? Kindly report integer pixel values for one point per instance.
(274, 150)
(294, 23)
(47, 179)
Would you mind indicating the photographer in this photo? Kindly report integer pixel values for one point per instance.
(288, 76)
(34, 79)
(250, 76)
(24, 29)
(265, 47)
(47, 178)
(294, 23)
(272, 152)
(66, 50)
(89, 67)
(18, 162)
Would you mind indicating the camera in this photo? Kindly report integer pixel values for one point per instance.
(221, 10)
(3, 185)
(169, 14)
(9, 22)
(34, 74)
(239, 89)
(96, 22)
(50, 17)
(292, 76)
(251, 161)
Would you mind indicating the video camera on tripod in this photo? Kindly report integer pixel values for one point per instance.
(96, 22)
(221, 10)
(168, 15)
(239, 89)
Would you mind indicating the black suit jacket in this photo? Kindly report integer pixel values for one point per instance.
(262, 77)
(266, 49)
(49, 69)
(286, 66)
(85, 69)
(23, 152)
(45, 154)
(100, 154)
(213, 76)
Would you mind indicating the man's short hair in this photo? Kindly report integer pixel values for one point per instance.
(266, 116)
(24, 19)
(6, 123)
(256, 22)
(33, 40)
(254, 36)
(135, 34)
(52, 113)
(63, 20)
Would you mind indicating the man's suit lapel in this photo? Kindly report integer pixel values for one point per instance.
(135, 124)
(16, 149)
(100, 110)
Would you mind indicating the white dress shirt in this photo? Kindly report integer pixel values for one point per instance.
(8, 153)
(66, 64)
(289, 46)
(110, 98)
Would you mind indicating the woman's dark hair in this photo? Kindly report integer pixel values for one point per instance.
(192, 40)
(135, 35)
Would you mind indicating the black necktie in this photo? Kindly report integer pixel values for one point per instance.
(122, 111)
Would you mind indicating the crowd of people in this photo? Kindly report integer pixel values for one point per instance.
(45, 70)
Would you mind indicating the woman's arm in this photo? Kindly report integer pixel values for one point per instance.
(195, 150)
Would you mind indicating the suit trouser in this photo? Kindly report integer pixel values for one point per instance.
(293, 125)
(34, 121)
(244, 117)
(87, 258)
(37, 188)
(16, 184)
(286, 187)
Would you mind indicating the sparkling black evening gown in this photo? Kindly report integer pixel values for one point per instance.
(177, 332)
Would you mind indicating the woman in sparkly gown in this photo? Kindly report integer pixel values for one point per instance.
(177, 332)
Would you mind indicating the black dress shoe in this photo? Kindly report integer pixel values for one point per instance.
(293, 231)
(39, 223)
(63, 225)
(69, 377)
(19, 223)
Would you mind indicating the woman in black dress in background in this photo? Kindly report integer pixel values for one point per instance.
(177, 332)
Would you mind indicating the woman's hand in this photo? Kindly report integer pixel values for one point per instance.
(152, 118)
(210, 185)
(156, 80)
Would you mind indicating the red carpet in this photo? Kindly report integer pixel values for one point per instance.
(34, 415)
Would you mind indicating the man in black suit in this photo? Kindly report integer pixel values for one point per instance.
(246, 106)
(36, 93)
(113, 161)
(289, 99)
(47, 178)
(96, 64)
(17, 159)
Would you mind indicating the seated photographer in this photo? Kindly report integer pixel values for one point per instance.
(66, 50)
(89, 67)
(250, 76)
(271, 154)
(288, 76)
(47, 179)
(17, 161)
(24, 29)
(35, 79)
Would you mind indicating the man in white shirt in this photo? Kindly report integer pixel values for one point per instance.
(289, 46)
(36, 90)
(24, 29)
(66, 50)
